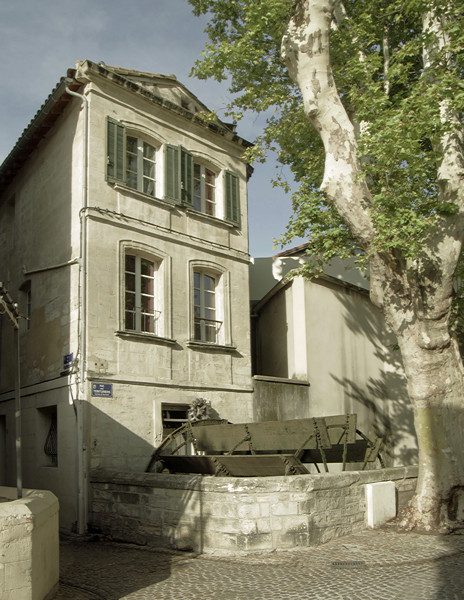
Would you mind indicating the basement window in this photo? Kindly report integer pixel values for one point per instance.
(174, 416)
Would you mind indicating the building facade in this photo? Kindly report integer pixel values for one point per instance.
(123, 238)
(330, 344)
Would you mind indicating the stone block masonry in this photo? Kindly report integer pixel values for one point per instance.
(229, 515)
(29, 545)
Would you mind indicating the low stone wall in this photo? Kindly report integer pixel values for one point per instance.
(227, 515)
(29, 543)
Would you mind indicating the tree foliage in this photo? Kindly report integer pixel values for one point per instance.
(378, 63)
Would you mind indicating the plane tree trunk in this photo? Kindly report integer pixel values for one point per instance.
(415, 296)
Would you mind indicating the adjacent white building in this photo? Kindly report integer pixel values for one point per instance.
(123, 238)
(320, 347)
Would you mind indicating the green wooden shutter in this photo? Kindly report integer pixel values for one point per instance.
(232, 203)
(172, 178)
(116, 150)
(186, 176)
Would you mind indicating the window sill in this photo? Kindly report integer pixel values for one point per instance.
(205, 217)
(210, 346)
(146, 337)
(145, 197)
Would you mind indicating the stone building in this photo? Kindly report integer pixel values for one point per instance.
(123, 238)
(320, 347)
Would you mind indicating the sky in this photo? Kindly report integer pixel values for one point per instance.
(39, 41)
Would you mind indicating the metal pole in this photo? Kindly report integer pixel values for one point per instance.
(19, 477)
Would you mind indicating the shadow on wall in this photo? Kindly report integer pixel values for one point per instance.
(126, 503)
(385, 396)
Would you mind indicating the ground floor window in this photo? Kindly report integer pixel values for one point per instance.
(174, 416)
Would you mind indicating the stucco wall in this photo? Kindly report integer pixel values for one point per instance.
(350, 359)
(37, 468)
(227, 515)
(277, 399)
(354, 367)
(29, 557)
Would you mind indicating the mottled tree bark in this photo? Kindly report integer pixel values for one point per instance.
(415, 296)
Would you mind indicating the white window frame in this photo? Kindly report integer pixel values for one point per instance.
(200, 201)
(162, 299)
(141, 160)
(222, 304)
(144, 311)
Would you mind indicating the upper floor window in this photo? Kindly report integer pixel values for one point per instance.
(204, 189)
(140, 310)
(132, 161)
(140, 165)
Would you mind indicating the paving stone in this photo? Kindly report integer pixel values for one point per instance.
(376, 564)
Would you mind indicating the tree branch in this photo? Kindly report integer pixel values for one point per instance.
(306, 53)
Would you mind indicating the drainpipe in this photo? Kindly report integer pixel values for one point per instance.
(80, 409)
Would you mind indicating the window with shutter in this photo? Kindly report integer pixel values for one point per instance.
(130, 160)
(116, 149)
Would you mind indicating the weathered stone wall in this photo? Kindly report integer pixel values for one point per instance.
(278, 399)
(227, 515)
(29, 557)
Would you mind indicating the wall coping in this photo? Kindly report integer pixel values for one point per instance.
(40, 504)
(207, 483)
(271, 379)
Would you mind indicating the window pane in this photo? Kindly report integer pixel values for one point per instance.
(147, 267)
(131, 144)
(131, 163)
(148, 304)
(196, 279)
(197, 331)
(148, 151)
(149, 186)
(210, 300)
(196, 297)
(131, 180)
(210, 282)
(130, 282)
(130, 320)
(130, 263)
(149, 169)
(130, 301)
(148, 323)
(147, 285)
(210, 333)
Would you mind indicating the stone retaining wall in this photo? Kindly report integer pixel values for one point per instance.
(29, 545)
(226, 515)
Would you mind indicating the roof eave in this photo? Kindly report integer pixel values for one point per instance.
(39, 126)
(87, 68)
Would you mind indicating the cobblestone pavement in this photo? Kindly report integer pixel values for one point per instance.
(372, 565)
